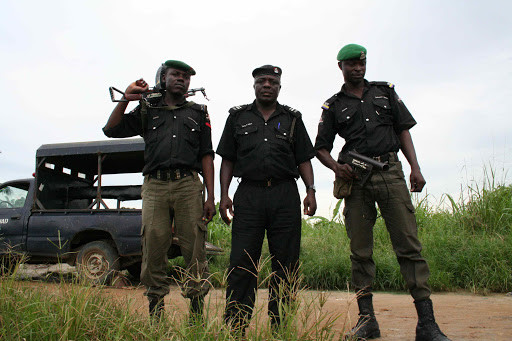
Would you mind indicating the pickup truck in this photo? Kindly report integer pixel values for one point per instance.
(62, 214)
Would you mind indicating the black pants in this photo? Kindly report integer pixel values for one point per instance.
(275, 209)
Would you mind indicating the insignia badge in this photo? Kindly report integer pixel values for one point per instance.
(391, 85)
(207, 117)
(363, 55)
(321, 119)
(276, 70)
(325, 106)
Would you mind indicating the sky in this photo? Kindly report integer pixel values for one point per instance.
(450, 61)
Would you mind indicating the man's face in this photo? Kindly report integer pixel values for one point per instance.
(267, 88)
(353, 70)
(176, 81)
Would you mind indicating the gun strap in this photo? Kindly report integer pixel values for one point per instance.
(144, 115)
(292, 130)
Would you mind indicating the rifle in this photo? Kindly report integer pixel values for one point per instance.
(152, 95)
(363, 165)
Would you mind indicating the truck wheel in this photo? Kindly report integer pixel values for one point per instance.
(97, 262)
(134, 270)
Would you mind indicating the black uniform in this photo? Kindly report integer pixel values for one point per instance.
(371, 125)
(266, 156)
(175, 137)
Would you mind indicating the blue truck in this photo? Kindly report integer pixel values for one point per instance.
(64, 214)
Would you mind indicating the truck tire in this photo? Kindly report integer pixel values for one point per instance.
(97, 263)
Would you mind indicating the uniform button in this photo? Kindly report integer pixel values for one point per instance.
(154, 128)
(367, 119)
(362, 101)
(265, 139)
(265, 123)
(174, 116)
(246, 133)
(348, 117)
(174, 136)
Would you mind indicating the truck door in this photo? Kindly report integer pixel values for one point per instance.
(13, 212)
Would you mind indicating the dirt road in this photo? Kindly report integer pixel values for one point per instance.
(462, 316)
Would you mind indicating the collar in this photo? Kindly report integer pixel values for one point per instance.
(344, 89)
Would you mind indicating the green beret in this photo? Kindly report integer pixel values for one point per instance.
(176, 64)
(267, 70)
(352, 51)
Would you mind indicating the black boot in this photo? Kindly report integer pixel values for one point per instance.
(196, 310)
(427, 328)
(367, 326)
(156, 307)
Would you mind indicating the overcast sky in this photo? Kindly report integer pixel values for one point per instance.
(450, 61)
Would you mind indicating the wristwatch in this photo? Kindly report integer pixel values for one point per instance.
(311, 187)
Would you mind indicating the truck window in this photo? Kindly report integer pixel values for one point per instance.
(12, 197)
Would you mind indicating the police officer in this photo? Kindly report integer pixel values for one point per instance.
(177, 136)
(375, 122)
(265, 144)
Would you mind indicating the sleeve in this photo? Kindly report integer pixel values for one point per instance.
(227, 143)
(326, 130)
(130, 125)
(402, 118)
(304, 150)
(206, 135)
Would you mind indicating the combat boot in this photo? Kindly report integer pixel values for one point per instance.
(196, 310)
(367, 326)
(156, 307)
(427, 328)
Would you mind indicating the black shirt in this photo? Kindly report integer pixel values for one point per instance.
(175, 137)
(370, 125)
(262, 150)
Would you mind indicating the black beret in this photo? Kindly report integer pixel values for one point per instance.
(267, 70)
(179, 65)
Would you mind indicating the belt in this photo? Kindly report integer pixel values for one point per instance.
(169, 174)
(265, 183)
(391, 156)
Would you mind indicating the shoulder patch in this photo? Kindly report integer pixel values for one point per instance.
(328, 103)
(387, 84)
(292, 111)
(238, 108)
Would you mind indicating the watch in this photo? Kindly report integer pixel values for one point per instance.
(311, 187)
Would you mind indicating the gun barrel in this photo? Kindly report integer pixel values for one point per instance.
(377, 164)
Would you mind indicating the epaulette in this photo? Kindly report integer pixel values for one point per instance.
(389, 85)
(328, 103)
(238, 108)
(292, 111)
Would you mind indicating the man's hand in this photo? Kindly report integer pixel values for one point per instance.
(344, 171)
(225, 205)
(137, 87)
(209, 210)
(310, 204)
(417, 180)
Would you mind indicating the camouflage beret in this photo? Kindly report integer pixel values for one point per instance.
(267, 70)
(176, 64)
(352, 51)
